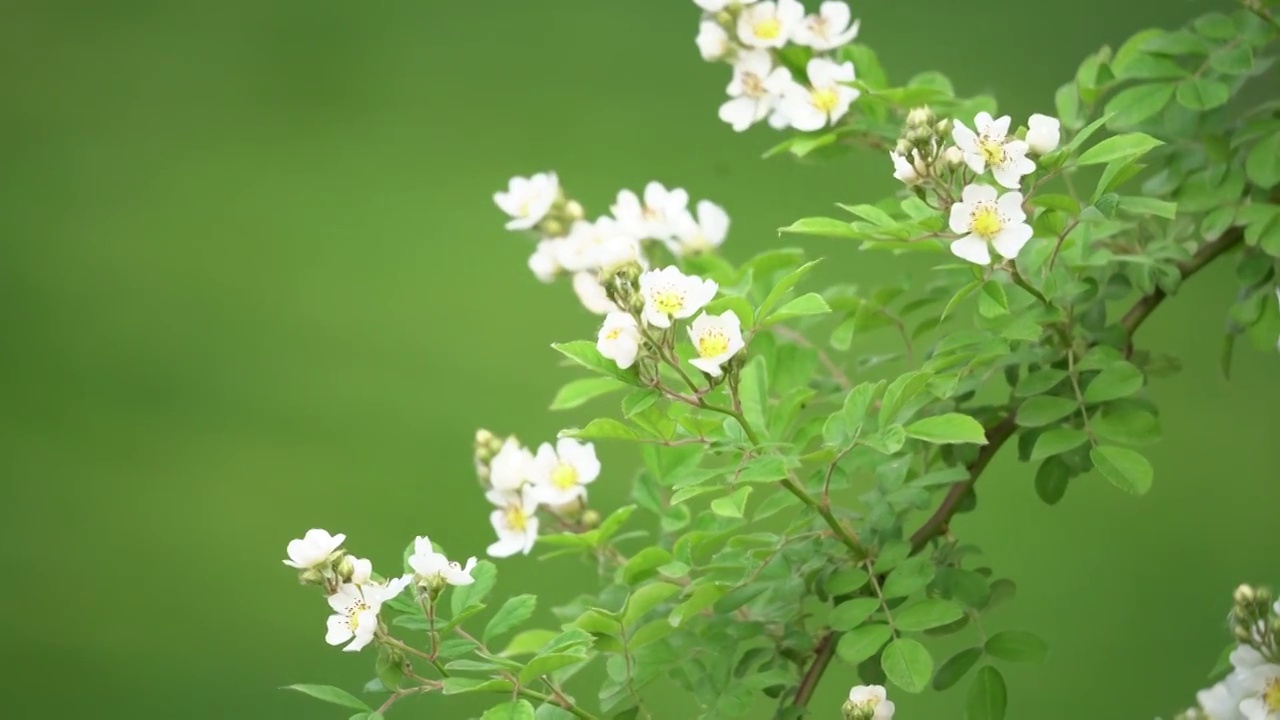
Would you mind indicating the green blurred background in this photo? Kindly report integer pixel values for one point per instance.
(252, 281)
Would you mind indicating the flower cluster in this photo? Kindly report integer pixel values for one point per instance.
(984, 217)
(591, 250)
(355, 594)
(752, 36)
(1251, 691)
(518, 482)
(868, 702)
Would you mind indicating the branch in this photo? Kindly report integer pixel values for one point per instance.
(997, 436)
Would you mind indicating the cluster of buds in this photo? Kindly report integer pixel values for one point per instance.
(1254, 621)
(868, 702)
(921, 151)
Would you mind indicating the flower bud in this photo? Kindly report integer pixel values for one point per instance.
(919, 136)
(311, 576)
(345, 568)
(858, 711)
(590, 519)
(903, 148)
(953, 155)
(943, 128)
(1243, 634)
(573, 210)
(920, 117)
(1245, 595)
(552, 228)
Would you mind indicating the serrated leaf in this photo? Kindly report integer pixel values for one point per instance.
(927, 614)
(907, 664)
(1017, 646)
(511, 614)
(646, 598)
(955, 668)
(331, 694)
(1058, 441)
(950, 428)
(900, 392)
(960, 295)
(1126, 469)
(1129, 145)
(858, 645)
(1043, 410)
(993, 302)
(852, 613)
(988, 698)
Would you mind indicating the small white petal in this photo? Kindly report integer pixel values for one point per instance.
(972, 248)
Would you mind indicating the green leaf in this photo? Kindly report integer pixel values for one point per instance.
(910, 576)
(807, 304)
(733, 505)
(1017, 646)
(823, 227)
(856, 405)
(1057, 441)
(1045, 409)
(1083, 136)
(1126, 469)
(1134, 105)
(1262, 165)
(854, 647)
(846, 581)
(601, 429)
(646, 598)
(1145, 206)
(993, 302)
(389, 667)
(512, 613)
(553, 712)
(871, 214)
(584, 353)
(960, 295)
(907, 664)
(1052, 478)
(784, 286)
(1116, 381)
(331, 694)
(459, 685)
(1040, 381)
(1125, 423)
(988, 697)
(528, 642)
(950, 428)
(462, 597)
(644, 564)
(851, 613)
(1232, 60)
(1201, 93)
(900, 392)
(546, 664)
(927, 614)
(514, 710)
(1215, 25)
(955, 668)
(888, 441)
(1129, 145)
(581, 391)
(638, 401)
(702, 598)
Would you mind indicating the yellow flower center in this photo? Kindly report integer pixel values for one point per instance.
(753, 85)
(713, 343)
(353, 615)
(668, 302)
(613, 334)
(986, 222)
(825, 99)
(515, 518)
(767, 28)
(992, 151)
(564, 476)
(1271, 695)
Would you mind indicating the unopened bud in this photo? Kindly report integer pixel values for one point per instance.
(1263, 596)
(590, 519)
(1245, 595)
(1243, 634)
(552, 228)
(919, 136)
(345, 568)
(858, 711)
(920, 117)
(573, 210)
(953, 155)
(311, 576)
(903, 148)
(943, 127)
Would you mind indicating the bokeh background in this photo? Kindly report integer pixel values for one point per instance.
(252, 281)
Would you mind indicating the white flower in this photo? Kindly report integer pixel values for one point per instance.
(433, 568)
(561, 474)
(670, 294)
(983, 220)
(312, 549)
(754, 91)
(656, 217)
(992, 147)
(528, 200)
(515, 522)
(619, 339)
(509, 468)
(361, 570)
(830, 28)
(1261, 687)
(713, 41)
(543, 261)
(716, 338)
(592, 294)
(1222, 701)
(1043, 134)
(769, 24)
(910, 173)
(825, 101)
(1245, 657)
(355, 609)
(601, 244)
(706, 232)
(872, 697)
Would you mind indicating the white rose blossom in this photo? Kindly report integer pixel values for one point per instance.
(830, 28)
(509, 468)
(655, 217)
(705, 232)
(908, 172)
(543, 261)
(874, 698)
(713, 41)
(434, 569)
(992, 147)
(824, 101)
(355, 612)
(561, 473)
(754, 91)
(603, 243)
(671, 295)
(769, 24)
(361, 570)
(586, 285)
(515, 522)
(1043, 134)
(528, 200)
(716, 338)
(1261, 687)
(986, 221)
(619, 339)
(312, 549)
(1222, 701)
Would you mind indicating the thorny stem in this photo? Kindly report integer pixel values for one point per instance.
(997, 435)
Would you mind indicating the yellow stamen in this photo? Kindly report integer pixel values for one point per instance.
(668, 302)
(564, 476)
(1271, 695)
(825, 99)
(992, 151)
(767, 29)
(986, 222)
(515, 518)
(713, 343)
